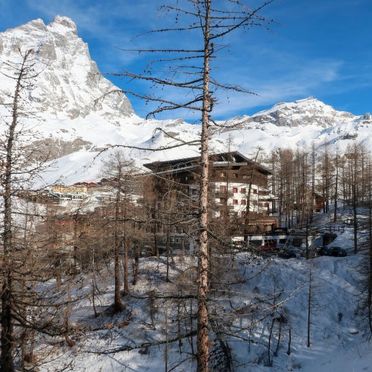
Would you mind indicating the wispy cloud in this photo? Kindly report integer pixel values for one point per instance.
(98, 17)
(297, 81)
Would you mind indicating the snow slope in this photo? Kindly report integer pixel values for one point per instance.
(337, 339)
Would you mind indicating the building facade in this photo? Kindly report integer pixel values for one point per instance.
(239, 195)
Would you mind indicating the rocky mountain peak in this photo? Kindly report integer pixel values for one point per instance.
(305, 111)
(70, 82)
(35, 23)
(63, 23)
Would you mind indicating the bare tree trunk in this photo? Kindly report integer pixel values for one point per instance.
(336, 190)
(307, 240)
(125, 265)
(289, 341)
(354, 192)
(279, 338)
(309, 303)
(248, 206)
(6, 361)
(313, 164)
(166, 343)
(355, 219)
(269, 359)
(135, 266)
(94, 282)
(66, 316)
(75, 240)
(6, 324)
(118, 306)
(167, 245)
(369, 295)
(191, 320)
(203, 258)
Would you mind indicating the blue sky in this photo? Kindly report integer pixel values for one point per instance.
(320, 48)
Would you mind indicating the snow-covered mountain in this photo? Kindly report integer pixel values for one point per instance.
(302, 112)
(75, 123)
(70, 80)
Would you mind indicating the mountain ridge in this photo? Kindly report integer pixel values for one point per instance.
(75, 123)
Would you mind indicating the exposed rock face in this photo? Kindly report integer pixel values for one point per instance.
(302, 112)
(56, 148)
(308, 111)
(70, 82)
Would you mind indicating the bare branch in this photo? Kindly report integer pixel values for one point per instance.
(242, 23)
(186, 84)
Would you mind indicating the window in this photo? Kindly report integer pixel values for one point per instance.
(254, 191)
(222, 174)
(235, 190)
(223, 189)
(235, 201)
(236, 175)
(243, 202)
(243, 190)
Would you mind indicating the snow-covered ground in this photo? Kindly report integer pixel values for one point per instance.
(267, 288)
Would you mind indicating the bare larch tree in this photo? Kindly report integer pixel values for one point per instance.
(209, 21)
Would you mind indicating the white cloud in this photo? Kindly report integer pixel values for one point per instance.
(304, 79)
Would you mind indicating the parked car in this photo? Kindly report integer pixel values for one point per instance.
(329, 237)
(311, 254)
(338, 252)
(267, 249)
(287, 253)
(332, 251)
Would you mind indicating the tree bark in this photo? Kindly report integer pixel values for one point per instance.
(118, 306)
(309, 303)
(336, 190)
(369, 295)
(203, 256)
(126, 266)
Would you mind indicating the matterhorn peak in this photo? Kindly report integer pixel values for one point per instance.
(309, 99)
(63, 24)
(35, 23)
(70, 84)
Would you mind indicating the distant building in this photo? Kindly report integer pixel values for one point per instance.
(101, 191)
(239, 191)
(77, 191)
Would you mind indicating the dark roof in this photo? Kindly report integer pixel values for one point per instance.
(222, 159)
